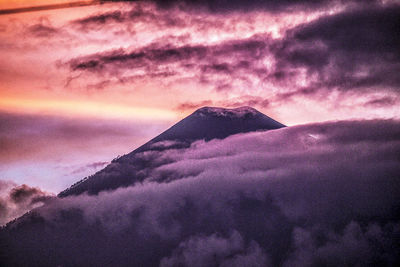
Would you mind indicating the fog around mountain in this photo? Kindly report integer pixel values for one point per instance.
(323, 194)
(204, 124)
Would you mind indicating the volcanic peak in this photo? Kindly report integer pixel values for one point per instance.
(225, 112)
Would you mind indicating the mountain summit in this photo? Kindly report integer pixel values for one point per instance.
(210, 122)
(206, 123)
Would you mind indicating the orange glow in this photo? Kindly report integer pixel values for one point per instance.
(11, 4)
(85, 108)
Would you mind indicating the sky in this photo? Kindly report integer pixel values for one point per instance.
(80, 86)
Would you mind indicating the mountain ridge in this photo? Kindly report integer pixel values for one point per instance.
(205, 123)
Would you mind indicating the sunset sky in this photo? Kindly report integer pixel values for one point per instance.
(81, 85)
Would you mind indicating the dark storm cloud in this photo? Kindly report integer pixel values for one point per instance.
(16, 200)
(324, 198)
(355, 50)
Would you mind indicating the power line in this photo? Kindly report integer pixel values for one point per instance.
(50, 7)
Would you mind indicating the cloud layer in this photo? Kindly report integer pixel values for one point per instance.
(346, 54)
(319, 194)
(354, 50)
(248, 5)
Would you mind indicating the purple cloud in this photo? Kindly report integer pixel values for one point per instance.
(219, 66)
(214, 250)
(312, 194)
(348, 51)
(15, 200)
(353, 50)
(243, 5)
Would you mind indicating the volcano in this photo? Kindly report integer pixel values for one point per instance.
(206, 123)
(259, 197)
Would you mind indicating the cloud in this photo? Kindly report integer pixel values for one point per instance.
(91, 167)
(215, 250)
(193, 105)
(126, 17)
(245, 100)
(382, 101)
(138, 58)
(243, 5)
(310, 194)
(43, 30)
(220, 66)
(16, 200)
(350, 51)
(118, 48)
(351, 247)
(114, 16)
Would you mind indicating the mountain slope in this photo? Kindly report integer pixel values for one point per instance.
(205, 123)
(209, 123)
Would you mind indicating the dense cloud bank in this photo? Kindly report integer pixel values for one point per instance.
(320, 194)
(354, 50)
(246, 5)
(15, 200)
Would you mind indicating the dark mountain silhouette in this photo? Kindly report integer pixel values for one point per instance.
(205, 123)
(210, 123)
